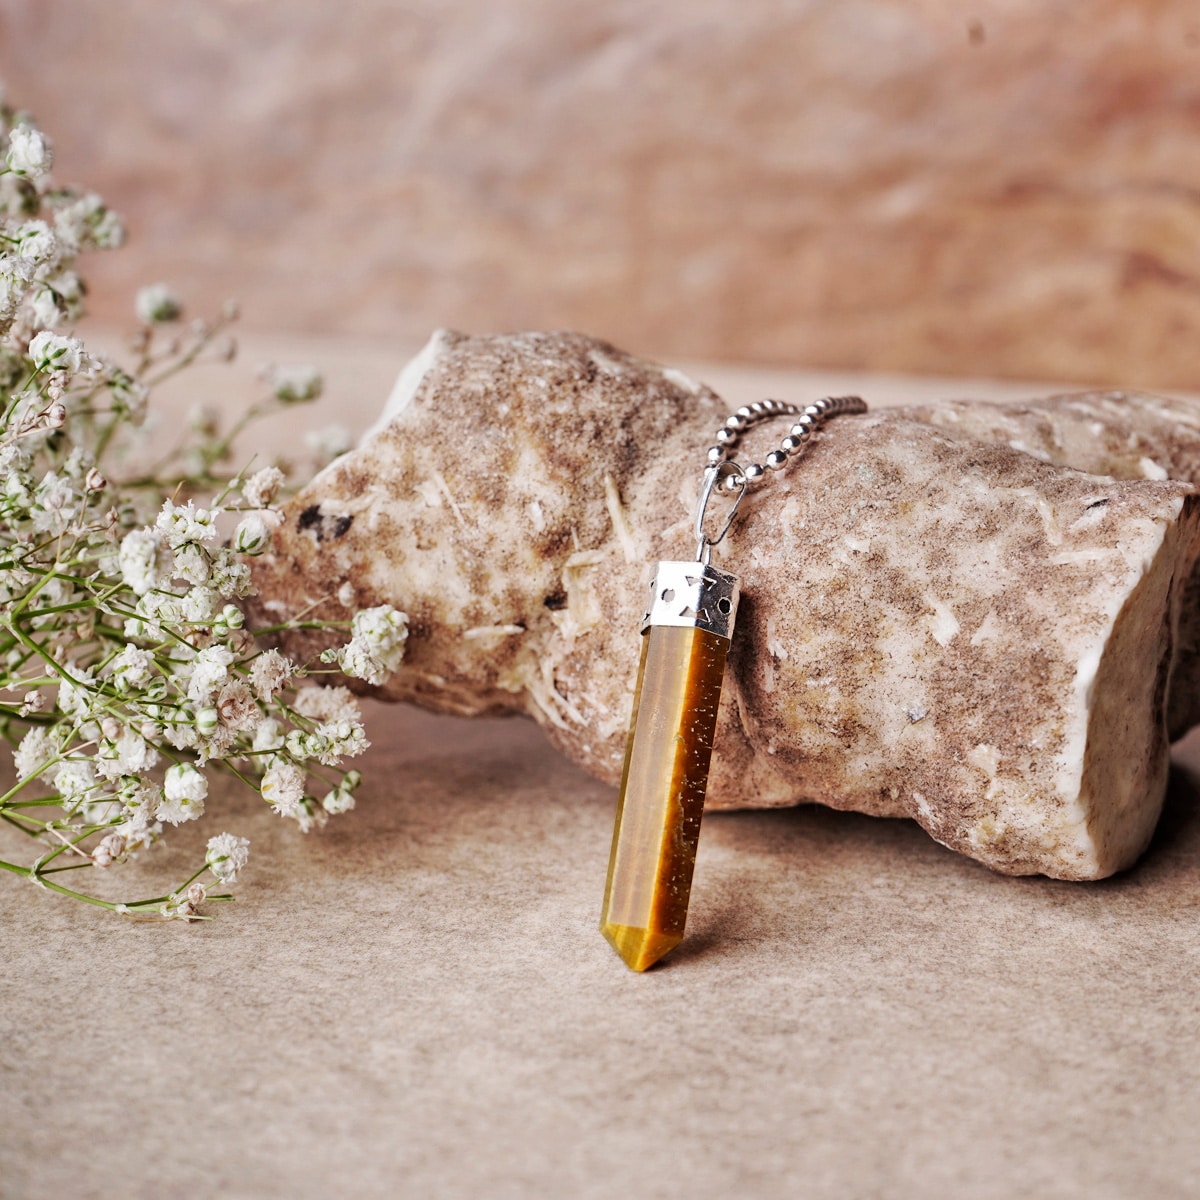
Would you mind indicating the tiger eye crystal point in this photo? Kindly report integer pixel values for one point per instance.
(639, 948)
(662, 793)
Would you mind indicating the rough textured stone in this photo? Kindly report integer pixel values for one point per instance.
(999, 188)
(936, 621)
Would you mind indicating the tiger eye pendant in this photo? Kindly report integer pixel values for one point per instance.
(686, 635)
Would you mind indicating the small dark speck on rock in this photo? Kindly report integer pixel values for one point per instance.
(323, 527)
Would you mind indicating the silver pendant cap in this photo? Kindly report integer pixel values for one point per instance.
(693, 595)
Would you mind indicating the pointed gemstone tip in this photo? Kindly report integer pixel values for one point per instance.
(639, 948)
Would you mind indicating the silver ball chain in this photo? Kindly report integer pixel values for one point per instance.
(721, 471)
(808, 421)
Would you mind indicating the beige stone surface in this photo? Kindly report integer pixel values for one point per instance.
(417, 1002)
(1005, 187)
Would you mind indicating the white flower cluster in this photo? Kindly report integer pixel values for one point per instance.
(227, 855)
(42, 230)
(28, 152)
(157, 304)
(123, 641)
(294, 384)
(377, 646)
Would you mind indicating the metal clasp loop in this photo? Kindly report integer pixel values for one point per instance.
(712, 476)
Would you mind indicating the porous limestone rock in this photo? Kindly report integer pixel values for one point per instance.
(982, 617)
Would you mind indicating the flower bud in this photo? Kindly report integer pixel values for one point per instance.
(157, 304)
(203, 419)
(251, 536)
(230, 617)
(28, 152)
(207, 720)
(111, 847)
(294, 385)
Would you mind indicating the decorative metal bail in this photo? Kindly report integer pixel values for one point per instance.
(712, 477)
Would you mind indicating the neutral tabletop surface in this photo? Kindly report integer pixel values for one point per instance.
(417, 1002)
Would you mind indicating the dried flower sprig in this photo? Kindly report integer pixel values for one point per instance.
(127, 675)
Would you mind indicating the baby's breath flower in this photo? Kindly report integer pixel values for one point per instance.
(111, 847)
(131, 668)
(36, 241)
(338, 800)
(139, 799)
(28, 152)
(229, 576)
(15, 273)
(184, 792)
(262, 487)
(88, 558)
(44, 307)
(193, 564)
(128, 395)
(282, 788)
(236, 706)
(343, 739)
(227, 855)
(204, 420)
(74, 780)
(326, 704)
(184, 523)
(145, 560)
(83, 221)
(377, 645)
(69, 292)
(183, 907)
(52, 352)
(75, 692)
(209, 672)
(229, 620)
(268, 737)
(157, 303)
(129, 754)
(251, 536)
(295, 384)
(56, 503)
(36, 749)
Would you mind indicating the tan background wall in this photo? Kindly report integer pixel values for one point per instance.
(1007, 187)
